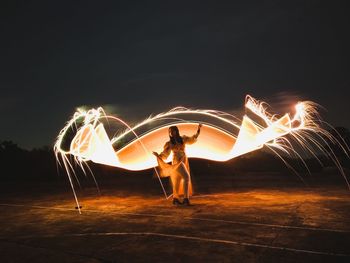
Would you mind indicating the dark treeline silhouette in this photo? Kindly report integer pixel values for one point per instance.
(18, 164)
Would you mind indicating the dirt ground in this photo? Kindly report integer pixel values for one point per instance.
(290, 224)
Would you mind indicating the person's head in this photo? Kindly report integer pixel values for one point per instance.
(174, 135)
(174, 131)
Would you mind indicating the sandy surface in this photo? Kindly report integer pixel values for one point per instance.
(252, 225)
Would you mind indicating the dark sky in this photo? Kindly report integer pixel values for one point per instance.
(144, 58)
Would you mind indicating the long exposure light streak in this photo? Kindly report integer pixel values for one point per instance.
(223, 137)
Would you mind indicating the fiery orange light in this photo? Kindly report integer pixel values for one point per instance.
(91, 142)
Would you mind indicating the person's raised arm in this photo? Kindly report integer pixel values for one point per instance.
(193, 138)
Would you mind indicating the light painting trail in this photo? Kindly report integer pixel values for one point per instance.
(223, 137)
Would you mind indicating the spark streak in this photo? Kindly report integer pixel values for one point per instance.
(223, 136)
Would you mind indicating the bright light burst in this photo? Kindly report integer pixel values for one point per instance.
(223, 137)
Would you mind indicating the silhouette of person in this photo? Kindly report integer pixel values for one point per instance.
(179, 171)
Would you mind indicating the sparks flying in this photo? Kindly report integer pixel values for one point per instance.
(223, 136)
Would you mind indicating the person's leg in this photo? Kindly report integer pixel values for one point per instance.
(186, 182)
(173, 184)
(177, 184)
(186, 179)
(175, 180)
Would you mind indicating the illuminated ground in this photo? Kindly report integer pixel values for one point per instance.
(244, 225)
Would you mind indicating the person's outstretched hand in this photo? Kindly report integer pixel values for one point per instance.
(199, 128)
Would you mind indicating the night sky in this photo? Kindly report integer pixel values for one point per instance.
(143, 58)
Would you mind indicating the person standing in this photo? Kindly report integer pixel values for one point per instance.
(180, 176)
